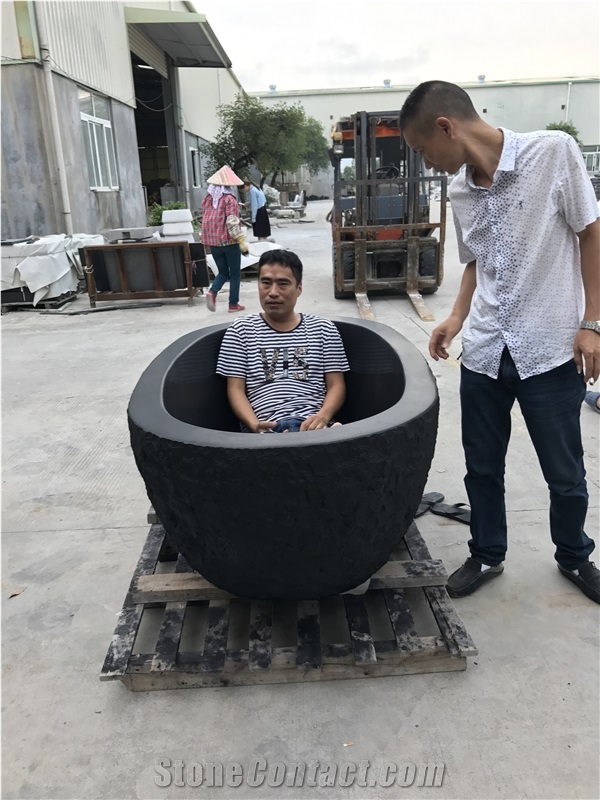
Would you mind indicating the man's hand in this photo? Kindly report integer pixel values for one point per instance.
(314, 423)
(244, 248)
(442, 337)
(263, 427)
(586, 350)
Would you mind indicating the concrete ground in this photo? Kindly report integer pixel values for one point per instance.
(521, 722)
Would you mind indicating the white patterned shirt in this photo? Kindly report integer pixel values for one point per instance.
(284, 370)
(521, 231)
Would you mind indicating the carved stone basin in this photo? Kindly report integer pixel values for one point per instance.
(299, 515)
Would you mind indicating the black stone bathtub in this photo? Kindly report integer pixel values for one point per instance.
(298, 516)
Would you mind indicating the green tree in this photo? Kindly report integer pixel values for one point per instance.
(348, 173)
(272, 138)
(567, 127)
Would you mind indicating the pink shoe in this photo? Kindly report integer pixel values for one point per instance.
(237, 308)
(211, 300)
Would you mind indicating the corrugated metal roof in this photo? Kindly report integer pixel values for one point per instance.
(186, 37)
(147, 50)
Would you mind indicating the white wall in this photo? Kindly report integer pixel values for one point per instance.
(519, 106)
(202, 91)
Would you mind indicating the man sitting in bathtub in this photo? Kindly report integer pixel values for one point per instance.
(284, 370)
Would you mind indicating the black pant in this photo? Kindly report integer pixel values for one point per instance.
(551, 405)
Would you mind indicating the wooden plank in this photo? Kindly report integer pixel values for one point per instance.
(419, 305)
(176, 588)
(401, 618)
(215, 641)
(165, 588)
(90, 278)
(145, 295)
(261, 633)
(187, 258)
(404, 574)
(119, 650)
(360, 630)
(308, 624)
(169, 636)
(364, 306)
(242, 676)
(284, 658)
(416, 544)
(123, 282)
(450, 624)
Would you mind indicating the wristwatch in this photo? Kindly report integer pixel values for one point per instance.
(590, 325)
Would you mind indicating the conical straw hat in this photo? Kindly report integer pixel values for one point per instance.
(225, 177)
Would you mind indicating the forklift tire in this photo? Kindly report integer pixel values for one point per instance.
(427, 263)
(348, 264)
(296, 516)
(427, 268)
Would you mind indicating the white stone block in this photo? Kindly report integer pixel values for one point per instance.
(177, 215)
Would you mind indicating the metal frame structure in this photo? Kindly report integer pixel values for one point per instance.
(364, 236)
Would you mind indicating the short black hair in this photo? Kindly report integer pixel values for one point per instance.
(284, 257)
(434, 99)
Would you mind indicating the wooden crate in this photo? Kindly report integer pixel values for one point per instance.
(236, 642)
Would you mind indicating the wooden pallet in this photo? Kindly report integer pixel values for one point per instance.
(51, 303)
(231, 642)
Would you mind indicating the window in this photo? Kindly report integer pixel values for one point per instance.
(98, 140)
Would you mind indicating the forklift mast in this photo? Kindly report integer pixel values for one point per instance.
(385, 237)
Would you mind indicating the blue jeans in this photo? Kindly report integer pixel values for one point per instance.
(228, 259)
(291, 424)
(551, 405)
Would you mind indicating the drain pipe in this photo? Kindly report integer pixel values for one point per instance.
(568, 100)
(54, 124)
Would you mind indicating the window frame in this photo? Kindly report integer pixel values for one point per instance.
(96, 127)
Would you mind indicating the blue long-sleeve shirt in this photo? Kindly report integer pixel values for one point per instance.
(257, 200)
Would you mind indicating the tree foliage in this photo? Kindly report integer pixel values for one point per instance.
(567, 127)
(272, 138)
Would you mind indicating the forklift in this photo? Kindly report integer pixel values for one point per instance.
(385, 238)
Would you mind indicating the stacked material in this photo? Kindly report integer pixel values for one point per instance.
(177, 225)
(46, 267)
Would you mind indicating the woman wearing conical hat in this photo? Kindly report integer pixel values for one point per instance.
(221, 231)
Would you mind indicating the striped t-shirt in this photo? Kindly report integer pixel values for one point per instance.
(284, 370)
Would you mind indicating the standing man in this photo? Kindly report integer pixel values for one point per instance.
(527, 227)
(284, 370)
(261, 227)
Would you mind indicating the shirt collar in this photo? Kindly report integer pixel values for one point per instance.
(508, 157)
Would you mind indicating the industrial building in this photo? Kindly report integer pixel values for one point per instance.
(518, 105)
(104, 108)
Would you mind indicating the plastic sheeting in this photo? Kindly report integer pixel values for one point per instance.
(48, 267)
